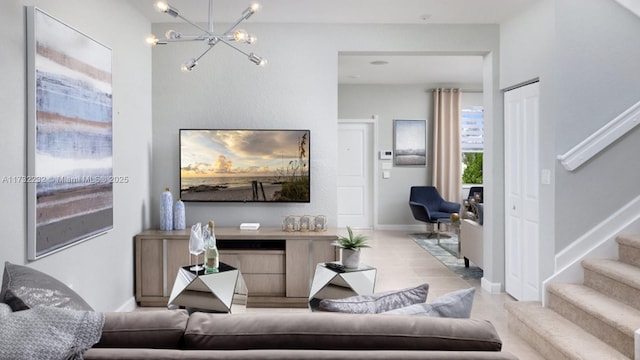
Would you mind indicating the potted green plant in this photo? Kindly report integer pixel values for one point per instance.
(351, 246)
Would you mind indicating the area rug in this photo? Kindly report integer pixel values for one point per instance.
(445, 254)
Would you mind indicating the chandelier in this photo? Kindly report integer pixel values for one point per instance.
(230, 36)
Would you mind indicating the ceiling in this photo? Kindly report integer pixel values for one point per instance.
(410, 69)
(357, 68)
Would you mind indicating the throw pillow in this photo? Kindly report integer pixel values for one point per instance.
(455, 304)
(377, 303)
(24, 288)
(5, 310)
(48, 333)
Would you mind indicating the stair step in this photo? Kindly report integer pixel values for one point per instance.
(616, 279)
(555, 337)
(608, 319)
(629, 249)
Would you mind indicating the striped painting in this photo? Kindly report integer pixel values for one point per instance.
(71, 133)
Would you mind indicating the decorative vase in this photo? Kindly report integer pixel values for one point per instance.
(179, 220)
(166, 210)
(351, 258)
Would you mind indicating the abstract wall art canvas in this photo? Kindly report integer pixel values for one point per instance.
(70, 136)
(410, 140)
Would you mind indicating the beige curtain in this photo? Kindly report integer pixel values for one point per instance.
(447, 156)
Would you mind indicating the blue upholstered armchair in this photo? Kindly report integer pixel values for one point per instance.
(428, 206)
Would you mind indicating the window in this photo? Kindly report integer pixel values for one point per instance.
(472, 143)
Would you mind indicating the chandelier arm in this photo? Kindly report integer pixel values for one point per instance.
(210, 17)
(230, 29)
(190, 38)
(194, 24)
(205, 52)
(233, 47)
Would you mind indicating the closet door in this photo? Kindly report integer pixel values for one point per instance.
(522, 192)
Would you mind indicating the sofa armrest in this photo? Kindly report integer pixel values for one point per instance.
(472, 241)
(332, 331)
(161, 329)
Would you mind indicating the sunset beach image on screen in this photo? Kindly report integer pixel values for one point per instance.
(244, 165)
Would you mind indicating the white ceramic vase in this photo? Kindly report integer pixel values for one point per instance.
(350, 258)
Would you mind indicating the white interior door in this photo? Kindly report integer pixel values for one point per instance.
(355, 195)
(522, 192)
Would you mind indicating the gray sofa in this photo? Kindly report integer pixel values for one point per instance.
(42, 318)
(173, 334)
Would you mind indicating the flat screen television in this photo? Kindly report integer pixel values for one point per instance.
(244, 165)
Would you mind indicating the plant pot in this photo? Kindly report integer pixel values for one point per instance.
(350, 258)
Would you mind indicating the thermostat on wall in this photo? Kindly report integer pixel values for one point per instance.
(386, 154)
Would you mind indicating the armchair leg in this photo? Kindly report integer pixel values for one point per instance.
(466, 262)
(432, 231)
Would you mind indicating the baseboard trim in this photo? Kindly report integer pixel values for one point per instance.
(636, 342)
(490, 287)
(597, 242)
(128, 305)
(409, 228)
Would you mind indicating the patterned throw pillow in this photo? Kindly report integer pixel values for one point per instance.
(48, 333)
(455, 304)
(24, 288)
(5, 310)
(377, 303)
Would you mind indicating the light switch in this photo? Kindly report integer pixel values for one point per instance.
(386, 174)
(545, 176)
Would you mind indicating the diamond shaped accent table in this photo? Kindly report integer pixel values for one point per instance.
(332, 284)
(214, 292)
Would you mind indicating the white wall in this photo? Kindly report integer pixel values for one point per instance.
(527, 48)
(297, 89)
(597, 79)
(101, 269)
(586, 62)
(391, 102)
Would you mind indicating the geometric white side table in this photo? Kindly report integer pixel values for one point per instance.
(333, 284)
(214, 292)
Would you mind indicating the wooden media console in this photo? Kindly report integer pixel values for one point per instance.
(277, 266)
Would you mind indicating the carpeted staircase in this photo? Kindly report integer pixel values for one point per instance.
(594, 320)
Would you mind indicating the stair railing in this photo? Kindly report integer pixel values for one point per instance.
(601, 139)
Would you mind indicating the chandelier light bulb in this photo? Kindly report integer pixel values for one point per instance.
(172, 34)
(152, 40)
(257, 60)
(240, 35)
(161, 6)
(252, 39)
(252, 9)
(188, 65)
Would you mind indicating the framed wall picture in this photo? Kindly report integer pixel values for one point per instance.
(70, 136)
(410, 142)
